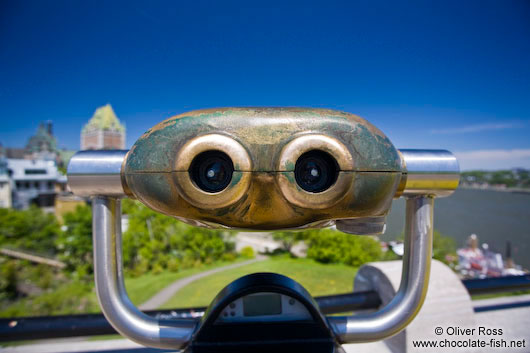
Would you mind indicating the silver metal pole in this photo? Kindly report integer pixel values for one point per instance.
(110, 288)
(97, 173)
(397, 314)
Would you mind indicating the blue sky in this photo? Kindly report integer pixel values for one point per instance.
(451, 74)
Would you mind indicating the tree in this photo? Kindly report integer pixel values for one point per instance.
(31, 229)
(75, 243)
(154, 240)
(288, 239)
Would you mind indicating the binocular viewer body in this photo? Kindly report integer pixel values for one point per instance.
(264, 169)
(277, 168)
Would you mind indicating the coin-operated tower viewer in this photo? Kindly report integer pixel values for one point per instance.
(264, 169)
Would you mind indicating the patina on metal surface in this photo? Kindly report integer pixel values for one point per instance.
(264, 144)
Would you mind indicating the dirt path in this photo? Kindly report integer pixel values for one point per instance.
(167, 293)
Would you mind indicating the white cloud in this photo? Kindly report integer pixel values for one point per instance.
(478, 128)
(494, 159)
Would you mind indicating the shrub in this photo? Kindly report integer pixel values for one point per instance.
(70, 298)
(442, 246)
(329, 246)
(140, 268)
(173, 264)
(229, 257)
(8, 280)
(247, 252)
(157, 268)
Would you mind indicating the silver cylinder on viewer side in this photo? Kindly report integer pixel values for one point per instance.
(92, 173)
(429, 172)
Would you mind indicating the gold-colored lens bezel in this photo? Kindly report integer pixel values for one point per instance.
(287, 162)
(240, 179)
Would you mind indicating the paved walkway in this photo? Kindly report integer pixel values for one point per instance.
(167, 293)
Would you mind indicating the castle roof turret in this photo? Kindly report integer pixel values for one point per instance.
(104, 118)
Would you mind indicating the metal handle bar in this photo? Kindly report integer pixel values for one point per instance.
(113, 299)
(427, 174)
(397, 314)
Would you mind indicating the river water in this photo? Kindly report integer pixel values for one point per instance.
(495, 217)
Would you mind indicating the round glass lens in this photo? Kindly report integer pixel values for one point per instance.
(212, 171)
(316, 171)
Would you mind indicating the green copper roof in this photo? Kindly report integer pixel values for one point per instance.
(104, 118)
(42, 140)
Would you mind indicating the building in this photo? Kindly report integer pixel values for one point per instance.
(5, 192)
(65, 203)
(42, 145)
(33, 174)
(5, 183)
(103, 131)
(33, 182)
(16, 153)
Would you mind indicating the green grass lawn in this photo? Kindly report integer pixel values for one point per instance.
(141, 288)
(317, 278)
(498, 295)
(80, 297)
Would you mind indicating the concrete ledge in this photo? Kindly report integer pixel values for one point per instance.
(447, 304)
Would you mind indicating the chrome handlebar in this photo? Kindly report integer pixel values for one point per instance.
(427, 174)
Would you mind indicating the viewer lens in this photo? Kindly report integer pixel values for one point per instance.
(212, 171)
(315, 171)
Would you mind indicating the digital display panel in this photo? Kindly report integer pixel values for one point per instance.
(262, 304)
